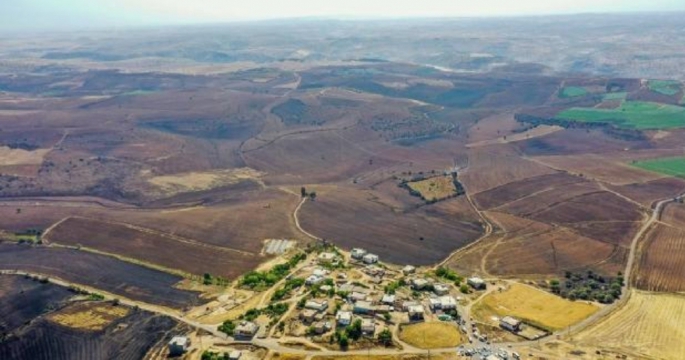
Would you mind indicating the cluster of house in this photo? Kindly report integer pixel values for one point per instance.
(363, 256)
(314, 314)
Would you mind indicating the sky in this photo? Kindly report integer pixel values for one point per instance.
(21, 15)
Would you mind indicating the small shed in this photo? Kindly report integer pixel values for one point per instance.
(510, 323)
(358, 253)
(408, 270)
(179, 345)
(368, 326)
(476, 283)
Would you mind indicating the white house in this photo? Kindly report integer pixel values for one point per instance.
(408, 270)
(316, 305)
(441, 289)
(343, 318)
(178, 345)
(370, 258)
(510, 323)
(368, 326)
(357, 253)
(313, 280)
(388, 299)
(476, 283)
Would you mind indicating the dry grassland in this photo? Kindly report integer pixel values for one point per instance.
(10, 156)
(431, 335)
(443, 356)
(92, 317)
(438, 188)
(198, 181)
(535, 306)
(649, 325)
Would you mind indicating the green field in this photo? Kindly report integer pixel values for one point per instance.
(631, 114)
(674, 166)
(615, 96)
(572, 91)
(666, 87)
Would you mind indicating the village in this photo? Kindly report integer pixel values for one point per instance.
(348, 302)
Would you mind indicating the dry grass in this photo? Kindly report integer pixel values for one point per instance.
(198, 181)
(437, 188)
(388, 357)
(535, 306)
(431, 335)
(603, 168)
(662, 260)
(92, 317)
(649, 325)
(10, 156)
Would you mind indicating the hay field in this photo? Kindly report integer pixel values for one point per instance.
(662, 260)
(431, 335)
(436, 188)
(649, 325)
(535, 306)
(537, 131)
(89, 316)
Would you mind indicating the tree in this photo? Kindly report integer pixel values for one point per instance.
(385, 337)
(303, 191)
(312, 195)
(464, 289)
(354, 331)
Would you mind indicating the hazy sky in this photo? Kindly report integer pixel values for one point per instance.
(63, 14)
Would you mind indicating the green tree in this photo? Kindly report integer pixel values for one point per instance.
(385, 337)
(303, 191)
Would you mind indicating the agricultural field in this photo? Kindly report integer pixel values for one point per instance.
(535, 306)
(434, 188)
(665, 87)
(103, 272)
(419, 236)
(146, 246)
(431, 335)
(674, 166)
(662, 260)
(572, 91)
(22, 299)
(599, 167)
(649, 326)
(89, 316)
(631, 115)
(129, 337)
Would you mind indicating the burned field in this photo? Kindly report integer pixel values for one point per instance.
(130, 337)
(22, 299)
(159, 249)
(98, 271)
(429, 230)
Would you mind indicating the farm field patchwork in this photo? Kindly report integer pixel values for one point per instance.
(631, 114)
(128, 338)
(103, 272)
(672, 166)
(649, 325)
(535, 306)
(431, 335)
(615, 96)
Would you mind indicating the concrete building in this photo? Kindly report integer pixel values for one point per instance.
(441, 289)
(313, 280)
(179, 345)
(415, 313)
(316, 305)
(363, 307)
(407, 270)
(407, 304)
(388, 299)
(357, 253)
(343, 318)
(370, 258)
(308, 316)
(245, 330)
(419, 284)
(368, 327)
(510, 323)
(476, 283)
